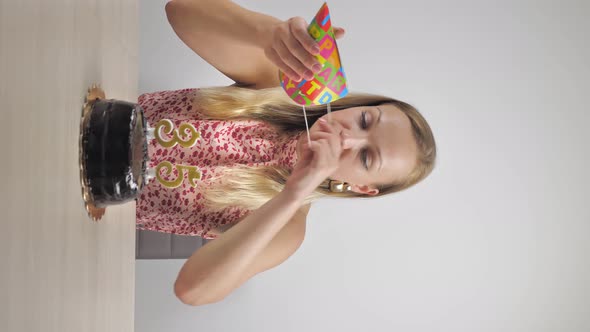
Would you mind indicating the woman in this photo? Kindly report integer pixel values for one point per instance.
(259, 173)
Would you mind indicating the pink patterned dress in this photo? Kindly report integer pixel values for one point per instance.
(180, 210)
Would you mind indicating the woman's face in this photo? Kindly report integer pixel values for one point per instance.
(378, 144)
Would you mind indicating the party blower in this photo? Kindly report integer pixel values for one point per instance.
(327, 85)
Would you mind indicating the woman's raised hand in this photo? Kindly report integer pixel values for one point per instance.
(290, 47)
(318, 161)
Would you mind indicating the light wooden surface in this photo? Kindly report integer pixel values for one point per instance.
(59, 270)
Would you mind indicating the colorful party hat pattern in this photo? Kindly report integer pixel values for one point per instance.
(329, 84)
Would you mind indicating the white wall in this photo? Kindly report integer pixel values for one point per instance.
(496, 239)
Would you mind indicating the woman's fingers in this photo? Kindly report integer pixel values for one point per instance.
(291, 48)
(338, 32)
(299, 30)
(333, 140)
(303, 46)
(296, 48)
(278, 61)
(287, 56)
(318, 135)
(307, 63)
(330, 144)
(330, 127)
(326, 157)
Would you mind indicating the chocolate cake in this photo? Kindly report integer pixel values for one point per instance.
(113, 152)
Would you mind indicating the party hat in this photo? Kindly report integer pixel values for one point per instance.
(329, 84)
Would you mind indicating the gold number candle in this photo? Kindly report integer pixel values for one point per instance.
(192, 172)
(179, 135)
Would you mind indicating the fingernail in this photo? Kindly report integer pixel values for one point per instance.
(316, 67)
(322, 120)
(315, 49)
(308, 74)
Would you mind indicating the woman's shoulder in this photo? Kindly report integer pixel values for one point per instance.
(305, 209)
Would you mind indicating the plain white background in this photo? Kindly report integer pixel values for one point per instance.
(496, 239)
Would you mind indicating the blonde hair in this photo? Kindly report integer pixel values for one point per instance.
(250, 187)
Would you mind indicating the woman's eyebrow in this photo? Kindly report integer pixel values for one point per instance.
(379, 150)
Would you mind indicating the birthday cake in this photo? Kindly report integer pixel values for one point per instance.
(113, 152)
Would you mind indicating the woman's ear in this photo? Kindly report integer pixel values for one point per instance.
(365, 190)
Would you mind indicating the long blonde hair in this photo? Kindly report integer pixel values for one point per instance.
(250, 187)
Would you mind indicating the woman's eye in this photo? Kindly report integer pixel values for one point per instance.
(364, 154)
(364, 120)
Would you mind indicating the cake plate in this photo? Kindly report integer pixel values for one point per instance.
(94, 93)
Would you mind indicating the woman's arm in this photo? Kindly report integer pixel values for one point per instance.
(246, 46)
(266, 237)
(228, 37)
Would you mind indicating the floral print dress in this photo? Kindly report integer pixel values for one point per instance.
(181, 210)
